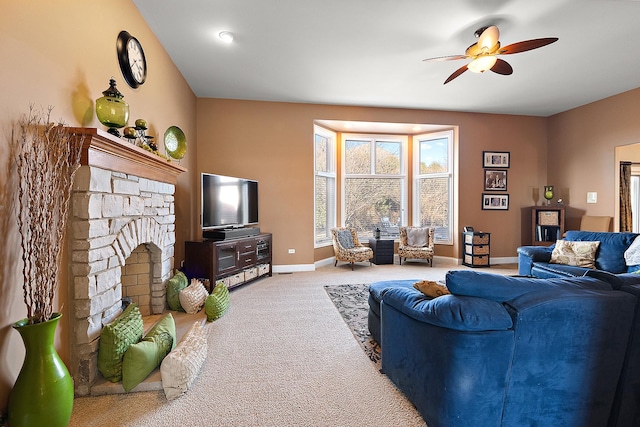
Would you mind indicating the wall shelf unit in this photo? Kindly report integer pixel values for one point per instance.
(547, 224)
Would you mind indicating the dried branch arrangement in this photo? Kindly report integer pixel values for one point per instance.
(47, 157)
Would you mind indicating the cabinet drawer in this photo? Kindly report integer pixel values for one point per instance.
(476, 260)
(263, 269)
(235, 279)
(246, 259)
(477, 239)
(250, 273)
(476, 249)
(246, 246)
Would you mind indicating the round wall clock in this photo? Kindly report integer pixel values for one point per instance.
(131, 58)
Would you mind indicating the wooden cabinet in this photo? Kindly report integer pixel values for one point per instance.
(233, 262)
(477, 250)
(547, 224)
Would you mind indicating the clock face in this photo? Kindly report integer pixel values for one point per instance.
(132, 61)
(136, 60)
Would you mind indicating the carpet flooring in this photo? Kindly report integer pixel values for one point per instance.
(352, 303)
(281, 356)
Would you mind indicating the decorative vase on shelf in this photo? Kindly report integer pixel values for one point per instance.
(111, 110)
(548, 193)
(43, 392)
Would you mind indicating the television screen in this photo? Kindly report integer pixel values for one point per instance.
(228, 201)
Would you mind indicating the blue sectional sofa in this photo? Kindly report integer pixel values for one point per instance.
(534, 260)
(511, 351)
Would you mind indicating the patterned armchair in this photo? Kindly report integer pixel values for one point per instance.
(416, 242)
(348, 248)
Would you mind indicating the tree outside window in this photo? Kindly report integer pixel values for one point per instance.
(374, 184)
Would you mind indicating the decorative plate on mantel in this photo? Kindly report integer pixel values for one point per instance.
(175, 142)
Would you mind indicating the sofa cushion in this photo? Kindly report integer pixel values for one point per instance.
(578, 254)
(614, 280)
(346, 239)
(610, 256)
(504, 288)
(449, 311)
(545, 270)
(417, 236)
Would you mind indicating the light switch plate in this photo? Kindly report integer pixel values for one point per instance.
(592, 197)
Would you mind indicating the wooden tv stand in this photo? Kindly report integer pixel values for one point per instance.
(232, 261)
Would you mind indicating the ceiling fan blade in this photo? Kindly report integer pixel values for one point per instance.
(526, 45)
(502, 67)
(456, 73)
(446, 58)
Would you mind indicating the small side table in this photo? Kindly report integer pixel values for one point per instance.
(382, 251)
(476, 249)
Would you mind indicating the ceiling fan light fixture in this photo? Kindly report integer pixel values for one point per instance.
(482, 64)
(226, 36)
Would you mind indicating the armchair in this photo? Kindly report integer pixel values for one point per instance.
(348, 248)
(416, 242)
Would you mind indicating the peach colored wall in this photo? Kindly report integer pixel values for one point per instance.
(273, 143)
(582, 145)
(62, 54)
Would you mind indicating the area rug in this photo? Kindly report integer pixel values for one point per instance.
(352, 304)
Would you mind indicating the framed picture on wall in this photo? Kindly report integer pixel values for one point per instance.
(496, 159)
(495, 202)
(495, 180)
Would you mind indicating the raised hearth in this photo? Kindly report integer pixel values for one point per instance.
(121, 240)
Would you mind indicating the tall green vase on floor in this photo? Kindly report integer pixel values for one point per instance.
(43, 392)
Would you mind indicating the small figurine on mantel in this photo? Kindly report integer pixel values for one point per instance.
(137, 135)
(560, 202)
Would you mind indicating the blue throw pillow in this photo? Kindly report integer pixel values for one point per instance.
(346, 239)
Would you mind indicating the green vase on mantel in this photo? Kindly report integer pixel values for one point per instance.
(43, 392)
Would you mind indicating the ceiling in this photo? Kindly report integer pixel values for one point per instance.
(370, 52)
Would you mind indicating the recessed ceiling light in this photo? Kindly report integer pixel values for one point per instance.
(226, 36)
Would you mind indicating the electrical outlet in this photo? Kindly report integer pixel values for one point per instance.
(292, 251)
(592, 197)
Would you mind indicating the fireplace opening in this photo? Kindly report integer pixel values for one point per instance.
(136, 279)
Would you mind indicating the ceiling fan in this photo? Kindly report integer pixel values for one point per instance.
(483, 54)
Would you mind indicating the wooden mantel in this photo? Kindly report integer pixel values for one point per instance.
(103, 150)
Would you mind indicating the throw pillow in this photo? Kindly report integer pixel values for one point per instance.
(578, 254)
(431, 289)
(181, 366)
(193, 296)
(217, 303)
(632, 254)
(177, 283)
(143, 358)
(115, 339)
(346, 239)
(417, 237)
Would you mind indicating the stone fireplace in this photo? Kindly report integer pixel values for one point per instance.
(121, 240)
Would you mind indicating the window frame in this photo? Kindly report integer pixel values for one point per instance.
(331, 173)
(450, 174)
(402, 176)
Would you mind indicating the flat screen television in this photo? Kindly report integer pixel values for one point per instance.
(228, 202)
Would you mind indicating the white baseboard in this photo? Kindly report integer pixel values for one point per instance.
(293, 268)
(439, 261)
